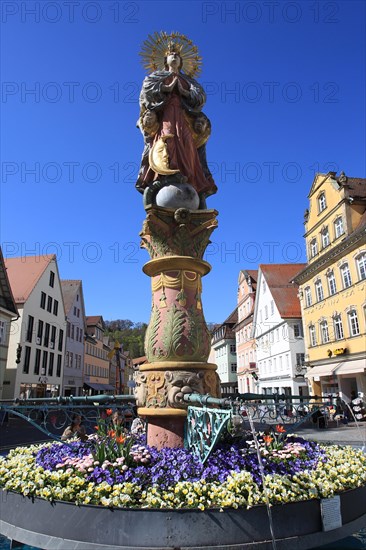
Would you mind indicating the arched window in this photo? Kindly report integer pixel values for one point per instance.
(324, 332)
(308, 298)
(354, 327)
(338, 227)
(361, 266)
(313, 248)
(312, 335)
(322, 203)
(346, 275)
(338, 327)
(325, 237)
(319, 290)
(331, 283)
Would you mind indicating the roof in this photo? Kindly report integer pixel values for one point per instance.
(6, 295)
(25, 272)
(139, 360)
(93, 320)
(69, 290)
(253, 274)
(233, 318)
(278, 277)
(355, 187)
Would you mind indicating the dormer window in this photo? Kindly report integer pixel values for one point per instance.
(322, 203)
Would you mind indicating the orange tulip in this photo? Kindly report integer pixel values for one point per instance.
(111, 433)
(267, 439)
(96, 428)
(109, 412)
(280, 429)
(120, 439)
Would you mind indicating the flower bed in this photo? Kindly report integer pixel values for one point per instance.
(127, 473)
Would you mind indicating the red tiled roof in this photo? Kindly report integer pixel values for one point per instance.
(233, 317)
(139, 360)
(24, 273)
(278, 277)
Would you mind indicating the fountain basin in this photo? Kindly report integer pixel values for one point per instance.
(63, 525)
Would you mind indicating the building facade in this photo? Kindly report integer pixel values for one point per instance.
(224, 348)
(37, 341)
(72, 293)
(278, 331)
(245, 343)
(8, 313)
(332, 286)
(96, 361)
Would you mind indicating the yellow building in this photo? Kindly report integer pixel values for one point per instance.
(332, 287)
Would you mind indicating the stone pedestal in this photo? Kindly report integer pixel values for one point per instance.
(177, 343)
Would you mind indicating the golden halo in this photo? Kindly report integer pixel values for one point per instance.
(158, 45)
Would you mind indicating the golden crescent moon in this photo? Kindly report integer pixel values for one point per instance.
(158, 157)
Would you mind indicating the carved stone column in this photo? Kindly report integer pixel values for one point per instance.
(177, 343)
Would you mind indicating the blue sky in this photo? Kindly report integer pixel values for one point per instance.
(285, 95)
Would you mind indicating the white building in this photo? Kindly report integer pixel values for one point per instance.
(224, 348)
(278, 331)
(8, 313)
(37, 341)
(72, 292)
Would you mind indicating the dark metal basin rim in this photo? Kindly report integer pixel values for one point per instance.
(65, 526)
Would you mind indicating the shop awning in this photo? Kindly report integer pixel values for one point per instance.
(320, 370)
(345, 367)
(99, 387)
(350, 367)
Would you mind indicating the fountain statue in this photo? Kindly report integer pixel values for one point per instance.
(175, 181)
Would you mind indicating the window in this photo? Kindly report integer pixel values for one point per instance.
(67, 359)
(312, 335)
(280, 362)
(60, 339)
(266, 312)
(300, 358)
(55, 307)
(39, 332)
(81, 335)
(78, 313)
(322, 203)
(272, 307)
(325, 237)
(319, 291)
(346, 276)
(52, 279)
(49, 304)
(264, 286)
(58, 368)
(297, 331)
(50, 364)
(30, 328)
(71, 360)
(308, 299)
(338, 227)
(53, 337)
(324, 332)
(46, 335)
(68, 329)
(37, 361)
(44, 363)
(313, 248)
(72, 331)
(331, 283)
(43, 300)
(361, 266)
(232, 348)
(233, 367)
(26, 359)
(354, 328)
(2, 332)
(338, 327)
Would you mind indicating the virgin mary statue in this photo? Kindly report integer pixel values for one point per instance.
(174, 127)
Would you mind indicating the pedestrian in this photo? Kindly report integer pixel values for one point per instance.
(75, 430)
